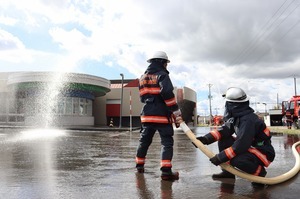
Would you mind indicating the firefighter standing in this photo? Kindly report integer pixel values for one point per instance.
(250, 150)
(160, 110)
(289, 119)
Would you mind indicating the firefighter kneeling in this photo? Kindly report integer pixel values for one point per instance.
(250, 150)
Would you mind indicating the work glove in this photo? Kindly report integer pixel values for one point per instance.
(177, 119)
(215, 160)
(201, 139)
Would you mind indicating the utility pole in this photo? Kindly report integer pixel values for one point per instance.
(121, 105)
(265, 108)
(277, 102)
(209, 98)
(295, 85)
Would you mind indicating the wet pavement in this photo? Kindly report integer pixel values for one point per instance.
(80, 164)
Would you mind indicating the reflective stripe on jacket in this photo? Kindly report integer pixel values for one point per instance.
(156, 92)
(252, 136)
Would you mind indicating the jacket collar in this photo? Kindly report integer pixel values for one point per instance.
(156, 67)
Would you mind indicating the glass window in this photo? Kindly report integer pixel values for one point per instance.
(20, 106)
(30, 106)
(2, 105)
(75, 106)
(65, 106)
(292, 105)
(2, 118)
(20, 119)
(61, 106)
(69, 106)
(89, 108)
(83, 106)
(11, 105)
(12, 119)
(81, 109)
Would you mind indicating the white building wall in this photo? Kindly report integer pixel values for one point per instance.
(60, 121)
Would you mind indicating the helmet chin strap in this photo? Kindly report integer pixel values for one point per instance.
(227, 114)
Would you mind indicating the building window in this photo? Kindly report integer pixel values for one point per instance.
(3, 118)
(75, 106)
(3, 104)
(69, 106)
(13, 110)
(61, 107)
(89, 107)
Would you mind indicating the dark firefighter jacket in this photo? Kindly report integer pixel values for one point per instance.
(252, 135)
(156, 92)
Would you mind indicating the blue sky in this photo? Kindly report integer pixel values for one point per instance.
(252, 44)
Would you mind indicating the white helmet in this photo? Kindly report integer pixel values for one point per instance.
(234, 94)
(159, 55)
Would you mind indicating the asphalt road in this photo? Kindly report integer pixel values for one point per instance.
(43, 163)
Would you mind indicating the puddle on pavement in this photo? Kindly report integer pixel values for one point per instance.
(89, 164)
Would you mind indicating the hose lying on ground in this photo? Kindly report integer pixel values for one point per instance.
(263, 180)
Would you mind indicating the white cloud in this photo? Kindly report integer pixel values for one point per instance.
(208, 42)
(8, 21)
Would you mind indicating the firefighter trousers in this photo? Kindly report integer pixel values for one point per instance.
(247, 162)
(166, 133)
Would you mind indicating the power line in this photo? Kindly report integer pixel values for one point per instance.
(252, 45)
(279, 25)
(236, 59)
(291, 28)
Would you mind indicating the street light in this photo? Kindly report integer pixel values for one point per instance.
(265, 108)
(121, 101)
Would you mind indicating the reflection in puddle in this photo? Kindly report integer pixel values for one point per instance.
(289, 140)
(41, 134)
(34, 134)
(52, 163)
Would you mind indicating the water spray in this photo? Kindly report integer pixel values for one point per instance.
(263, 180)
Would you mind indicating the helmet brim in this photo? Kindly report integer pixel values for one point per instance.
(149, 60)
(238, 101)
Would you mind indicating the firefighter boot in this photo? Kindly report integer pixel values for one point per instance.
(168, 174)
(223, 174)
(140, 168)
(263, 173)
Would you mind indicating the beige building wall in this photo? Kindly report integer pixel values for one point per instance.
(191, 95)
(115, 94)
(136, 105)
(99, 111)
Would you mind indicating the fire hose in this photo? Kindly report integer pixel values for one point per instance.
(263, 180)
